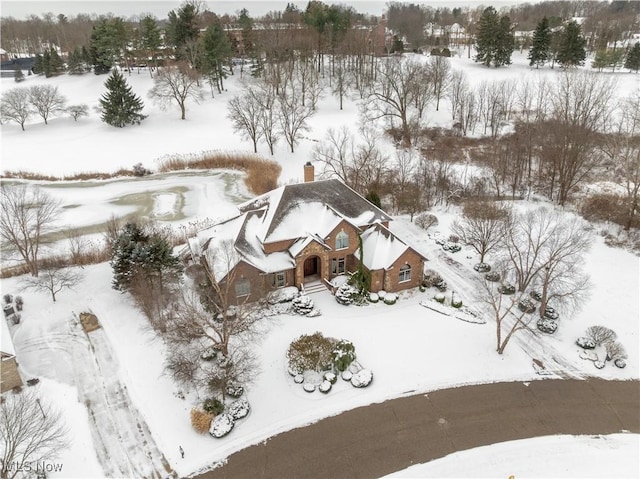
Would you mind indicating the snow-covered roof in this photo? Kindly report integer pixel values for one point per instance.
(302, 213)
(313, 207)
(6, 344)
(380, 248)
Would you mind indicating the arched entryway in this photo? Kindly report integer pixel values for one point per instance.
(311, 268)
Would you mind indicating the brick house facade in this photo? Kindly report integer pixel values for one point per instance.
(306, 233)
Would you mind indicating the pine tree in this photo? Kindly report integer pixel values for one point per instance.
(571, 51)
(486, 39)
(632, 62)
(56, 65)
(120, 106)
(151, 39)
(504, 43)
(137, 256)
(541, 44)
(38, 65)
(46, 63)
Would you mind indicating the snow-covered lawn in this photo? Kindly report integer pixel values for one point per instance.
(615, 455)
(408, 347)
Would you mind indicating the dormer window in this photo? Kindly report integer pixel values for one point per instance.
(342, 240)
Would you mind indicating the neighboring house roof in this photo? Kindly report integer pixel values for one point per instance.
(6, 344)
(380, 248)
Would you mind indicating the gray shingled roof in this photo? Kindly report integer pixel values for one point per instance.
(332, 193)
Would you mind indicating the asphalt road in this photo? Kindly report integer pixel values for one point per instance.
(376, 440)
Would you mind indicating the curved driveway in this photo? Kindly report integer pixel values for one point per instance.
(376, 440)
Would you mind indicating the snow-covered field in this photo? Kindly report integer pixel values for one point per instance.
(410, 336)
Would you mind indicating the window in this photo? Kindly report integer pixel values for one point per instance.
(405, 273)
(243, 287)
(278, 279)
(337, 265)
(342, 240)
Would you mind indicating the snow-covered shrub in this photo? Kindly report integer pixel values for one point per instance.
(598, 364)
(302, 305)
(311, 352)
(482, 267)
(451, 247)
(586, 343)
(139, 170)
(7, 298)
(345, 294)
(492, 276)
(19, 303)
(374, 298)
(601, 334)
(346, 375)
(551, 313)
(382, 293)
(390, 298)
(615, 351)
(537, 295)
(344, 353)
(283, 295)
(209, 354)
(439, 297)
(339, 280)
(329, 376)
(454, 238)
(431, 278)
(456, 302)
(213, 406)
(506, 288)
(239, 409)
(324, 387)
(222, 425)
(314, 313)
(441, 285)
(620, 363)
(362, 378)
(526, 305)
(298, 379)
(234, 390)
(548, 326)
(201, 420)
(309, 387)
(426, 220)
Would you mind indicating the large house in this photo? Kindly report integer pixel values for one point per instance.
(305, 234)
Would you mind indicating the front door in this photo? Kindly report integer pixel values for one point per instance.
(311, 266)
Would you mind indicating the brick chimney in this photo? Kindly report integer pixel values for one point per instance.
(309, 172)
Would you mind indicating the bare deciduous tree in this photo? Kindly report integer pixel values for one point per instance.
(509, 319)
(601, 334)
(482, 226)
(15, 106)
(440, 72)
(53, 280)
(245, 113)
(545, 249)
(77, 111)
(46, 100)
(26, 215)
(293, 117)
(31, 431)
(178, 83)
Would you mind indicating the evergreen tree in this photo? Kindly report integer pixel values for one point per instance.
(105, 44)
(120, 106)
(38, 65)
(46, 63)
(56, 65)
(138, 256)
(76, 63)
(486, 38)
(571, 50)
(504, 43)
(632, 62)
(182, 27)
(217, 53)
(541, 44)
(601, 60)
(151, 39)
